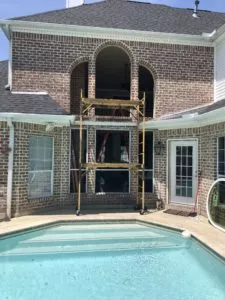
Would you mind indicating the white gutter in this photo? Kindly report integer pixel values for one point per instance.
(29, 93)
(107, 123)
(105, 33)
(10, 169)
(65, 120)
(189, 121)
(60, 120)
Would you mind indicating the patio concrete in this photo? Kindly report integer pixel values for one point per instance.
(198, 226)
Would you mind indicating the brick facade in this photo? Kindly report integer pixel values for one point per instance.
(4, 141)
(183, 78)
(207, 160)
(21, 204)
(183, 74)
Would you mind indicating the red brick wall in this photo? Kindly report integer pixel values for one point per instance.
(4, 142)
(183, 74)
(21, 204)
(207, 159)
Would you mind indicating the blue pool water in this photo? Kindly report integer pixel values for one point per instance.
(108, 261)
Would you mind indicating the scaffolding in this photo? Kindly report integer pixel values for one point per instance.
(138, 107)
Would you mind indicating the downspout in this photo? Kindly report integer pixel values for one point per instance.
(10, 169)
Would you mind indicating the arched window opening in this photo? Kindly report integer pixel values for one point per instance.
(79, 81)
(112, 77)
(146, 84)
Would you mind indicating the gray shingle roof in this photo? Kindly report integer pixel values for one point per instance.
(134, 16)
(199, 110)
(23, 103)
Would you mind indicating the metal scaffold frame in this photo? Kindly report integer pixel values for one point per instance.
(86, 104)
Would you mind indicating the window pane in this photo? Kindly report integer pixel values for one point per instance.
(75, 148)
(112, 181)
(112, 146)
(74, 177)
(148, 149)
(40, 166)
(40, 184)
(221, 143)
(148, 181)
(221, 156)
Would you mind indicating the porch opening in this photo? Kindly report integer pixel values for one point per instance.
(146, 84)
(78, 82)
(112, 78)
(148, 161)
(112, 147)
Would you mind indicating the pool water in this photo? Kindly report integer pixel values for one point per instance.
(108, 261)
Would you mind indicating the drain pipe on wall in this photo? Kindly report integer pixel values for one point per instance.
(10, 169)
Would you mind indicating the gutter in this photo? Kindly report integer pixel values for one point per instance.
(10, 169)
(60, 120)
(188, 121)
(105, 33)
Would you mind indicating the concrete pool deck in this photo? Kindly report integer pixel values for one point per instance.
(199, 226)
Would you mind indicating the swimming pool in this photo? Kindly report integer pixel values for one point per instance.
(108, 261)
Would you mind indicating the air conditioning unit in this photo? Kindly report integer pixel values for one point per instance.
(74, 3)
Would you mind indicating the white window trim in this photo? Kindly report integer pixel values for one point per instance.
(52, 170)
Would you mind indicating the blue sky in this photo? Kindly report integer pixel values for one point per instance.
(12, 8)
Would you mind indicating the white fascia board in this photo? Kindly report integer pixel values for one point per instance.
(38, 118)
(6, 30)
(210, 118)
(217, 35)
(106, 123)
(29, 93)
(106, 33)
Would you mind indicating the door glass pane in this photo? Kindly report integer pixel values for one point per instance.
(184, 170)
(178, 192)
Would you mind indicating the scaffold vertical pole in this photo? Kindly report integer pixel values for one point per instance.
(80, 155)
(143, 160)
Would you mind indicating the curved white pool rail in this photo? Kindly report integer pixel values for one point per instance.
(207, 205)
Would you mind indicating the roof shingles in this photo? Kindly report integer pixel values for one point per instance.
(131, 15)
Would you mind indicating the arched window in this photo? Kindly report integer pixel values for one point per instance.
(79, 81)
(112, 76)
(146, 84)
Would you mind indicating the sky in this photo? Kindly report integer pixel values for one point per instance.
(13, 8)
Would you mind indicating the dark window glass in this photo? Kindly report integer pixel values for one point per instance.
(221, 156)
(74, 160)
(112, 146)
(113, 181)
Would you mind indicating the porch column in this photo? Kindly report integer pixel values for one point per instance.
(91, 83)
(134, 81)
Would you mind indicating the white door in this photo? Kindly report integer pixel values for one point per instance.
(183, 172)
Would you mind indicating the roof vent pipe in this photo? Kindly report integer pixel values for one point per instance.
(195, 13)
(74, 3)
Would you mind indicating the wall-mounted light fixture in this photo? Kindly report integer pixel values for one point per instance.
(159, 148)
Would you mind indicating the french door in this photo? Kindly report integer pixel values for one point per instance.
(183, 172)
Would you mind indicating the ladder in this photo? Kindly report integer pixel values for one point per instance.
(140, 200)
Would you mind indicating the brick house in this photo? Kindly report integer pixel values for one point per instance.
(115, 49)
